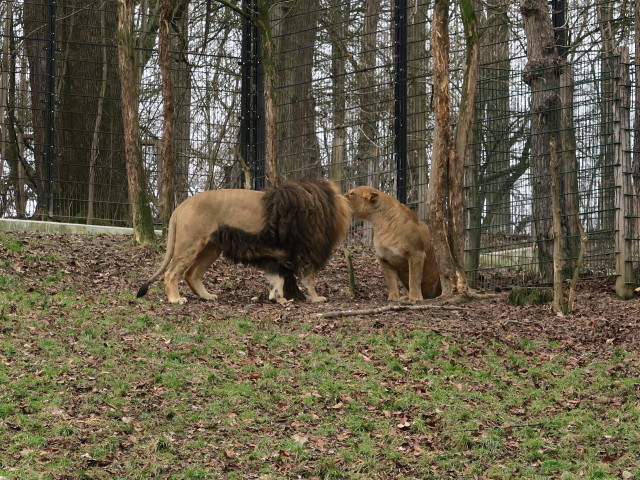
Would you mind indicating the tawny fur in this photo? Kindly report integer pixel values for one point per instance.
(301, 231)
(256, 228)
(402, 243)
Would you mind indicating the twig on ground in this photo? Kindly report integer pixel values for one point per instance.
(352, 275)
(386, 308)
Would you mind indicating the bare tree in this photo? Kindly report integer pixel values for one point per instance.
(295, 28)
(368, 150)
(495, 106)
(543, 74)
(336, 25)
(138, 198)
(418, 109)
(445, 194)
(81, 91)
(12, 162)
(462, 132)
(636, 120)
(7, 11)
(606, 192)
(182, 91)
(35, 26)
(263, 21)
(97, 126)
(167, 158)
(489, 174)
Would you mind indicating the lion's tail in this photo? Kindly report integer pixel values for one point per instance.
(249, 248)
(171, 240)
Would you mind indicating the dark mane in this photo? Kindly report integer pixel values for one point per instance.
(303, 223)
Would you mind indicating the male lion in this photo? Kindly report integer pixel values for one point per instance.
(402, 243)
(290, 229)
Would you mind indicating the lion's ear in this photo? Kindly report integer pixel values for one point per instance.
(373, 196)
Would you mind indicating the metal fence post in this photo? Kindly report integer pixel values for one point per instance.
(50, 149)
(252, 98)
(400, 92)
(559, 27)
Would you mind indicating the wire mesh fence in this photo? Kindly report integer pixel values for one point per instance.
(354, 93)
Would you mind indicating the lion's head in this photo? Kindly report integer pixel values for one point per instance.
(363, 201)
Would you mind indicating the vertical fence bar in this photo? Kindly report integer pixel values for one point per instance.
(50, 149)
(260, 126)
(251, 137)
(247, 133)
(622, 172)
(400, 92)
(559, 27)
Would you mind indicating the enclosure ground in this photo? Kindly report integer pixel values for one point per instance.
(95, 383)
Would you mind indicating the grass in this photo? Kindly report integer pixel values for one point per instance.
(109, 388)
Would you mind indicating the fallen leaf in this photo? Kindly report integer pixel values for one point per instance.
(300, 439)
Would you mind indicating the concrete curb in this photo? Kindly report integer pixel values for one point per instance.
(13, 225)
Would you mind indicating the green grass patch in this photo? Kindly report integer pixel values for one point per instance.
(92, 391)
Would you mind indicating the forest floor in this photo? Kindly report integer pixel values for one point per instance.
(103, 265)
(95, 383)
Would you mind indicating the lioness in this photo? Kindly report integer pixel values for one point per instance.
(402, 243)
(285, 230)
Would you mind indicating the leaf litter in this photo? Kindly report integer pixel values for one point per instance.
(106, 271)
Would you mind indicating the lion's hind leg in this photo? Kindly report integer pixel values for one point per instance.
(276, 285)
(309, 282)
(171, 278)
(193, 276)
(431, 287)
(186, 262)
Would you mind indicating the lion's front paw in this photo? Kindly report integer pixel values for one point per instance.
(179, 300)
(408, 299)
(318, 299)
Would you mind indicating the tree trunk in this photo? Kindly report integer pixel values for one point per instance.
(97, 126)
(181, 80)
(418, 109)
(167, 158)
(635, 165)
(79, 85)
(35, 16)
(461, 143)
(437, 195)
(605, 161)
(78, 92)
(558, 260)
(543, 73)
(367, 150)
(4, 87)
(495, 54)
(270, 102)
(140, 210)
(295, 27)
(337, 33)
(568, 163)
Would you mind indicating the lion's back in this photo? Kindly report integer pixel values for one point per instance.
(207, 210)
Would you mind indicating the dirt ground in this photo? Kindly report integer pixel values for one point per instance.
(104, 265)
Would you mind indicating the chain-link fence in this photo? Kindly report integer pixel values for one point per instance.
(354, 95)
